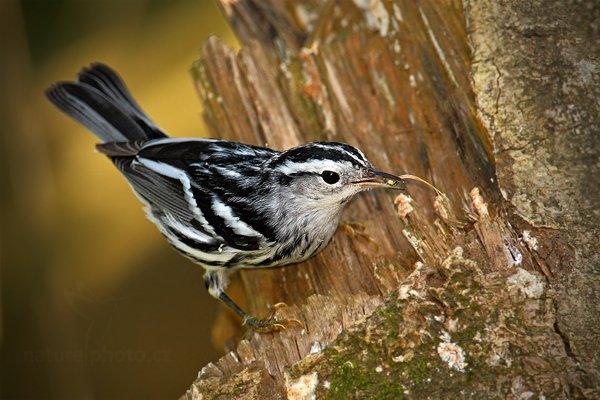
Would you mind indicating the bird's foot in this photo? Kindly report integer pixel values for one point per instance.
(272, 323)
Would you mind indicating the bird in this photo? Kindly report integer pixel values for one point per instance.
(222, 204)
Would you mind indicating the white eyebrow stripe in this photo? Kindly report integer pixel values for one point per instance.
(361, 161)
(291, 167)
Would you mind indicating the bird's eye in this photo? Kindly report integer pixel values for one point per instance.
(330, 177)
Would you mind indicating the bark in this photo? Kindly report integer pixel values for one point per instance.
(491, 292)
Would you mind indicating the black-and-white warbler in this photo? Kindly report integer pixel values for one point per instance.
(222, 204)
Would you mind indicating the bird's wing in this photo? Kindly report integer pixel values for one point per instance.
(202, 186)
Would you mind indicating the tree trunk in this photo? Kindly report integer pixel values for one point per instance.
(490, 292)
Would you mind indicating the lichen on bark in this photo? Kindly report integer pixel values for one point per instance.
(398, 349)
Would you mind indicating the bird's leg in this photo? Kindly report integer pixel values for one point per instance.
(216, 281)
(269, 324)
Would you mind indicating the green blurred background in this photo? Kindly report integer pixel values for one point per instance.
(93, 302)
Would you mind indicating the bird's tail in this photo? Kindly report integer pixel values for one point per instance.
(100, 101)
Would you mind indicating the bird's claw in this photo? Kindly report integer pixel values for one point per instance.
(358, 230)
(276, 307)
(354, 229)
(272, 323)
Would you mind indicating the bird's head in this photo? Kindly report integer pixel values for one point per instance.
(325, 175)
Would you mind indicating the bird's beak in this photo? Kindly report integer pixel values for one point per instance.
(378, 179)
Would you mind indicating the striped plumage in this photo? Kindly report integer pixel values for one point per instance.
(224, 205)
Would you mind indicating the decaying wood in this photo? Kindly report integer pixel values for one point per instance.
(439, 297)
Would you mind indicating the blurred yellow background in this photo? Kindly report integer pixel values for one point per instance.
(93, 302)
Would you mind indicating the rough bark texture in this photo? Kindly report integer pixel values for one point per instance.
(491, 292)
(541, 101)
